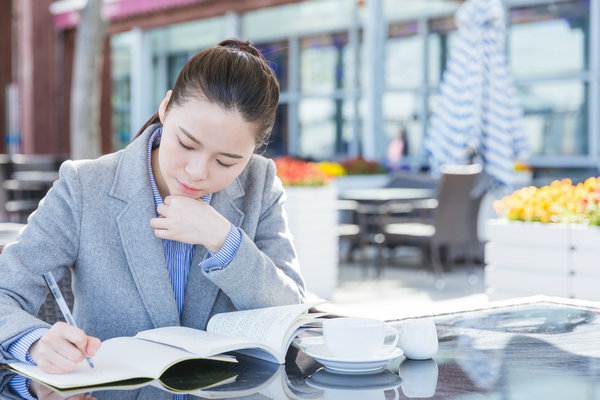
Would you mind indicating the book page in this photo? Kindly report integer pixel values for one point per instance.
(118, 359)
(205, 344)
(265, 325)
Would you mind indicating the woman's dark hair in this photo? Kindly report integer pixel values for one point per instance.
(234, 75)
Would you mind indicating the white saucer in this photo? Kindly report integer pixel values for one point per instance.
(335, 364)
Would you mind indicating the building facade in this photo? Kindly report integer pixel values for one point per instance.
(353, 73)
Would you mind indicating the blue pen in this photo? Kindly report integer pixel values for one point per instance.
(62, 304)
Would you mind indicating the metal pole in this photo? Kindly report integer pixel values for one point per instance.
(294, 88)
(594, 92)
(141, 96)
(373, 80)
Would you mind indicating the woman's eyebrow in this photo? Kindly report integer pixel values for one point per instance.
(189, 135)
(193, 139)
(231, 155)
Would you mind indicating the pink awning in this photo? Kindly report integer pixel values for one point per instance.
(121, 9)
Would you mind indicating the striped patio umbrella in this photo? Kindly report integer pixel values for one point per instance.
(478, 114)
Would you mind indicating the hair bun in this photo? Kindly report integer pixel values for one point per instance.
(245, 46)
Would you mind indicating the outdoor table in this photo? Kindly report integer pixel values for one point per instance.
(382, 195)
(535, 348)
(372, 207)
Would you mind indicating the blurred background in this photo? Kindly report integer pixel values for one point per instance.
(361, 80)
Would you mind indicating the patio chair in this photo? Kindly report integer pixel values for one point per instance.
(351, 228)
(451, 223)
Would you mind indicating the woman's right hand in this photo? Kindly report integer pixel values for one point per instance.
(62, 347)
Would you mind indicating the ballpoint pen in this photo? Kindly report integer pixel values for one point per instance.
(62, 304)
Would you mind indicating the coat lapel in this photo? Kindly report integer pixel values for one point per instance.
(144, 252)
(146, 261)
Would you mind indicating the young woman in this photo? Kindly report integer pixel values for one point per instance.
(184, 223)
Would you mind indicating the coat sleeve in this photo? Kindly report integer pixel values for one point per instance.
(264, 271)
(49, 242)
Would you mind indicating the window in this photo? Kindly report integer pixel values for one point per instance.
(404, 77)
(400, 114)
(442, 32)
(325, 116)
(322, 63)
(318, 119)
(403, 56)
(278, 141)
(276, 54)
(549, 39)
(549, 58)
(555, 117)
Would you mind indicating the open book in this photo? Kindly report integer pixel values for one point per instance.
(263, 333)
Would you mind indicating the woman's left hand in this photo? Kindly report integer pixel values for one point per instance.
(192, 221)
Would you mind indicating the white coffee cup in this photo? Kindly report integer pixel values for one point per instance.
(418, 338)
(357, 338)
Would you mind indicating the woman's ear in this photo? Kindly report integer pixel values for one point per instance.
(162, 109)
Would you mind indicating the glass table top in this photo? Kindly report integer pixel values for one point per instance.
(543, 349)
(533, 351)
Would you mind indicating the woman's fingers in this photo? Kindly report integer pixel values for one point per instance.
(62, 347)
(159, 223)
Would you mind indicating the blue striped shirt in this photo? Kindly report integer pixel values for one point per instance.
(178, 257)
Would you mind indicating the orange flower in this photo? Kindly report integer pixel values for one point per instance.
(294, 172)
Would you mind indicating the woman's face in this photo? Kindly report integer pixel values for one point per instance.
(202, 150)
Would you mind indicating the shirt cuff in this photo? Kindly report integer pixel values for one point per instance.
(225, 255)
(20, 347)
(20, 385)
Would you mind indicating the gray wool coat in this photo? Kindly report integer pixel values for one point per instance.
(95, 221)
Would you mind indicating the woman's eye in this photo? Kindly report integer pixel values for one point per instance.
(225, 164)
(184, 146)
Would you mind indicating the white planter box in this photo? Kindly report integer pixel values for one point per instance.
(530, 258)
(313, 219)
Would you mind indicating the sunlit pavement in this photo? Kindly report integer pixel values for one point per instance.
(406, 288)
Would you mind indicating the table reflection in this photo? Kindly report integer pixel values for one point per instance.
(548, 350)
(365, 387)
(419, 378)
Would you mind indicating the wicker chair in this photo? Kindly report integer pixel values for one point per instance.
(50, 312)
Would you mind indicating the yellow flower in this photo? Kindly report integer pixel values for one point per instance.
(332, 168)
(561, 201)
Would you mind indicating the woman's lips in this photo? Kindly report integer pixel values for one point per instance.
(187, 189)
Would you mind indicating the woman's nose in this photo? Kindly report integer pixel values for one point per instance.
(197, 168)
